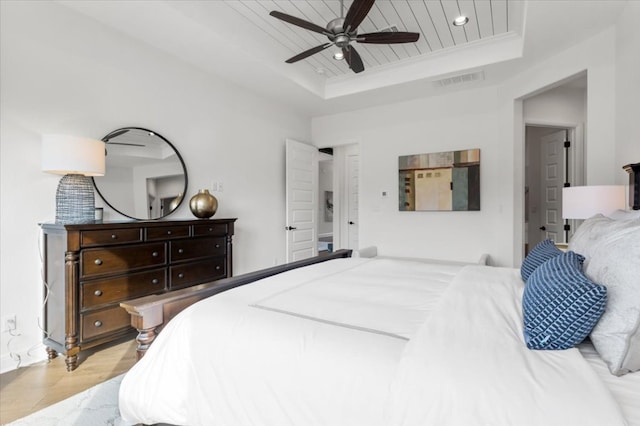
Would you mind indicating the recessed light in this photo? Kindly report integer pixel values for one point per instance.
(321, 70)
(460, 21)
(338, 56)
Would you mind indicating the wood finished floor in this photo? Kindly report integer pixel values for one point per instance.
(29, 389)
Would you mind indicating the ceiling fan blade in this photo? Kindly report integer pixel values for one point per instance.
(388, 37)
(308, 53)
(356, 13)
(299, 22)
(353, 59)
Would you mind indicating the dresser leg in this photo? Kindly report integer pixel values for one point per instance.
(72, 362)
(51, 353)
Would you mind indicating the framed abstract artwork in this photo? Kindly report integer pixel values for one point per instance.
(440, 181)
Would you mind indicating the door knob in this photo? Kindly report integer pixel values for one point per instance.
(290, 228)
(543, 228)
(351, 223)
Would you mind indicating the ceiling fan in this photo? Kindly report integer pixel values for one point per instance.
(342, 31)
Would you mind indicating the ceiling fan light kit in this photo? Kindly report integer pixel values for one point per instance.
(342, 31)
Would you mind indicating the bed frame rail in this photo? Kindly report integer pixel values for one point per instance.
(150, 313)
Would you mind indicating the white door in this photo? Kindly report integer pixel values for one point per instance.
(352, 173)
(552, 182)
(301, 200)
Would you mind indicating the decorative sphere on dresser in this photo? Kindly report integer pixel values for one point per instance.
(203, 205)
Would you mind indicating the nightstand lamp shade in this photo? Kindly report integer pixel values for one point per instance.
(583, 202)
(75, 158)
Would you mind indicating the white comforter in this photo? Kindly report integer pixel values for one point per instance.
(362, 342)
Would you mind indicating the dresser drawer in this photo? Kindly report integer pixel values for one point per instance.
(165, 232)
(95, 262)
(96, 324)
(196, 248)
(217, 229)
(111, 290)
(110, 236)
(197, 272)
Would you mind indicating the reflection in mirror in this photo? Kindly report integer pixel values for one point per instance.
(145, 175)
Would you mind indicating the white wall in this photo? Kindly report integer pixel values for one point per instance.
(463, 120)
(559, 106)
(63, 73)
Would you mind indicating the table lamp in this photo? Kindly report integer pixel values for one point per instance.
(583, 202)
(75, 158)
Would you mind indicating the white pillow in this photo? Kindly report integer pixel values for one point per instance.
(613, 260)
(588, 235)
(625, 214)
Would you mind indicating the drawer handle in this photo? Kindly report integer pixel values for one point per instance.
(154, 254)
(98, 323)
(114, 236)
(98, 262)
(217, 245)
(210, 229)
(180, 275)
(217, 267)
(169, 232)
(180, 251)
(155, 281)
(98, 293)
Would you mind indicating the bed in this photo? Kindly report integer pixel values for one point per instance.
(381, 341)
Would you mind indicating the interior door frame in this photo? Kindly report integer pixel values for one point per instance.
(351, 237)
(340, 200)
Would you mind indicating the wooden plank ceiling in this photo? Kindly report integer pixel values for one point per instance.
(431, 18)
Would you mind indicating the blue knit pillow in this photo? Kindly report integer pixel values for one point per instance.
(560, 304)
(542, 252)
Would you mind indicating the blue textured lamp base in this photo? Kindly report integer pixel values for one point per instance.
(75, 200)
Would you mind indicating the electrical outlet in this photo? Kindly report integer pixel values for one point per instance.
(9, 322)
(220, 186)
(214, 187)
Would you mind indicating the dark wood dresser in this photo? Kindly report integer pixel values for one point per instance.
(90, 268)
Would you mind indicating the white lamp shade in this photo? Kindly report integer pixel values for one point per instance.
(583, 202)
(62, 154)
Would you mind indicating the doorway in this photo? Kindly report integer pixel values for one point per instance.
(551, 116)
(346, 178)
(321, 199)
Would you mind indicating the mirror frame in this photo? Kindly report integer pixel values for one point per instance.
(184, 167)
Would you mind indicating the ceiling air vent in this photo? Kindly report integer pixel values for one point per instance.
(459, 79)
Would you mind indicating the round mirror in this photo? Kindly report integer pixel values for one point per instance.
(145, 175)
